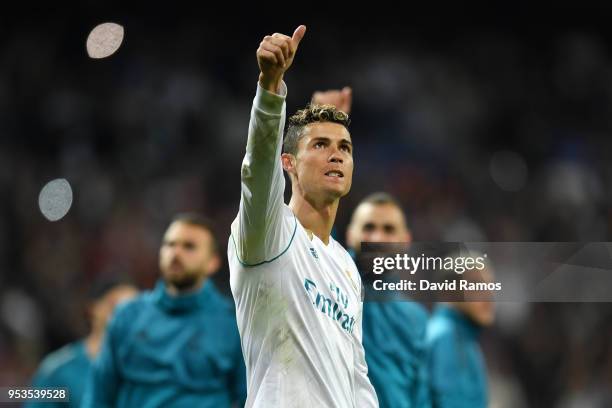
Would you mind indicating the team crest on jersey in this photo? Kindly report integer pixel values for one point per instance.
(313, 252)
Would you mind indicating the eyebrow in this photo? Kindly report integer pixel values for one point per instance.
(327, 139)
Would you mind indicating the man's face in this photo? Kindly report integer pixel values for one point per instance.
(377, 223)
(186, 256)
(323, 167)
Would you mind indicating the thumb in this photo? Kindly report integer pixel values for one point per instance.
(298, 34)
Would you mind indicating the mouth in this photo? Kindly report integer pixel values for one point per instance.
(335, 174)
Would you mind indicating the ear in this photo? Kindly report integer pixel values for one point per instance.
(288, 161)
(214, 263)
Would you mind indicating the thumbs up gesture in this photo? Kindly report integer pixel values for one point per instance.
(275, 55)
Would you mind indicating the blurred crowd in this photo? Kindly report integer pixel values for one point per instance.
(483, 134)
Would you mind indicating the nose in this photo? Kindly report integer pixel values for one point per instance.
(378, 236)
(335, 157)
(176, 260)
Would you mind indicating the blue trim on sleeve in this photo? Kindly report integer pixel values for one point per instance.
(271, 260)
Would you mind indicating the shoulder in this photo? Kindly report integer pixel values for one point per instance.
(346, 258)
(134, 305)
(409, 314)
(340, 249)
(126, 312)
(56, 362)
(272, 246)
(416, 312)
(343, 254)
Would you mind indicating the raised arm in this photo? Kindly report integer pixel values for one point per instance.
(258, 233)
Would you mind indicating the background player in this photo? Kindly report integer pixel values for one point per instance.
(394, 328)
(68, 367)
(458, 374)
(177, 345)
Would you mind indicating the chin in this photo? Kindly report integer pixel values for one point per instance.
(334, 194)
(184, 282)
(180, 278)
(337, 191)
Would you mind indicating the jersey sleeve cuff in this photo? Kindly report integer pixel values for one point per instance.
(270, 102)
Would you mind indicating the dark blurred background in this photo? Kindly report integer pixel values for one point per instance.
(494, 128)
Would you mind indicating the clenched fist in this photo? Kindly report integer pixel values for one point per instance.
(275, 55)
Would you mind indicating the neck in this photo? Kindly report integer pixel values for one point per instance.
(176, 291)
(318, 217)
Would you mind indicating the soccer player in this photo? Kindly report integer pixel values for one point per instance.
(393, 329)
(68, 366)
(297, 291)
(457, 369)
(178, 345)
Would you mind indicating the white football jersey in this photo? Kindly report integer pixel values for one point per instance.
(298, 301)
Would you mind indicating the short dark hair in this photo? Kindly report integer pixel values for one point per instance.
(199, 220)
(381, 198)
(311, 114)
